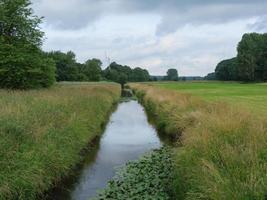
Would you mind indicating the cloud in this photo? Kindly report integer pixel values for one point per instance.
(192, 36)
(74, 14)
(260, 24)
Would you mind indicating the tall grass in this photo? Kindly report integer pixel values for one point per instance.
(42, 133)
(223, 153)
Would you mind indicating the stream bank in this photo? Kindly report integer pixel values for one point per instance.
(127, 136)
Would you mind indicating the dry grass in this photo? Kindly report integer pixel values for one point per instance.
(43, 131)
(224, 147)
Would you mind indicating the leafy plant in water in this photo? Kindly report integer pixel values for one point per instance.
(148, 178)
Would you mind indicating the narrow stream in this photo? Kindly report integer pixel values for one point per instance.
(128, 135)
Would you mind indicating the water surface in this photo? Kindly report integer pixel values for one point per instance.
(128, 135)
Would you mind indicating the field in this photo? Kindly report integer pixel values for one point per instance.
(222, 147)
(42, 133)
(252, 96)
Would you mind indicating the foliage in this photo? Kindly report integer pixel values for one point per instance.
(227, 70)
(172, 75)
(66, 67)
(123, 74)
(18, 22)
(250, 63)
(92, 69)
(210, 76)
(22, 63)
(42, 133)
(139, 75)
(18, 69)
(252, 57)
(223, 146)
(150, 177)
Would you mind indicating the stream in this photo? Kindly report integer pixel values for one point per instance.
(127, 136)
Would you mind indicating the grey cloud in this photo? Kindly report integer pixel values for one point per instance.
(260, 24)
(210, 14)
(74, 14)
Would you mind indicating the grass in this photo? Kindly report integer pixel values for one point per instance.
(223, 147)
(42, 133)
(252, 96)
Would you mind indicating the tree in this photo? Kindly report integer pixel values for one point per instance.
(122, 74)
(227, 70)
(210, 76)
(22, 63)
(18, 22)
(252, 57)
(92, 69)
(67, 69)
(117, 73)
(139, 75)
(172, 75)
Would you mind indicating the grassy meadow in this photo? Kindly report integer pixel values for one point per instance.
(42, 133)
(252, 96)
(222, 147)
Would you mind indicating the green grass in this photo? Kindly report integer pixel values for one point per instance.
(222, 147)
(253, 96)
(42, 133)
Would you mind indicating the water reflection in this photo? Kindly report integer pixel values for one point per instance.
(128, 135)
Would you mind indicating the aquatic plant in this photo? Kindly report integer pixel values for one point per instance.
(150, 177)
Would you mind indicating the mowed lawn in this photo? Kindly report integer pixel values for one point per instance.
(252, 96)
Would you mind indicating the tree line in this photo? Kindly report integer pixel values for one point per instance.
(24, 65)
(68, 69)
(249, 65)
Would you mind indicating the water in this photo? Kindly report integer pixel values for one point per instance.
(128, 135)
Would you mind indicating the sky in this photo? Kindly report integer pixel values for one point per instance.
(189, 35)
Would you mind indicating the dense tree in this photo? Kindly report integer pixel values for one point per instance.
(172, 75)
(139, 75)
(118, 73)
(18, 22)
(123, 74)
(92, 69)
(66, 67)
(227, 70)
(22, 63)
(252, 57)
(210, 76)
(250, 63)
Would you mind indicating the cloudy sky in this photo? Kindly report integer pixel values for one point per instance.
(189, 35)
